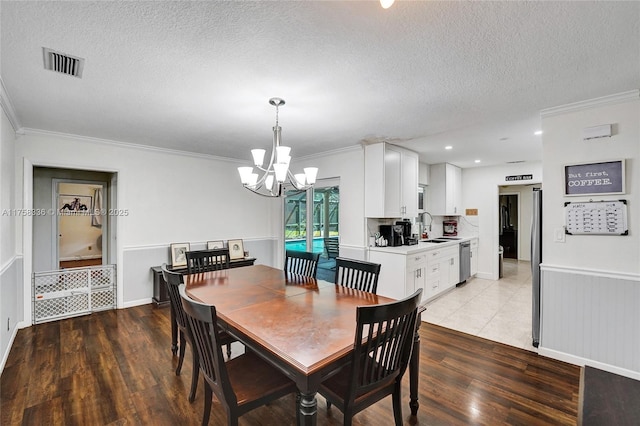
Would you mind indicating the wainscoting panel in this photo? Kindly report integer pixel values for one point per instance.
(11, 306)
(592, 315)
(137, 278)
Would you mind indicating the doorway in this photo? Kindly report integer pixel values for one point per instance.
(509, 224)
(305, 229)
(80, 223)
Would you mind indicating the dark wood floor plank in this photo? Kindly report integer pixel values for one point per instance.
(116, 368)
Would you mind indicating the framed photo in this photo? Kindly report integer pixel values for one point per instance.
(178, 254)
(214, 245)
(236, 249)
(606, 177)
(73, 204)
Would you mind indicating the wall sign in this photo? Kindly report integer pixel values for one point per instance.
(606, 177)
(597, 218)
(518, 177)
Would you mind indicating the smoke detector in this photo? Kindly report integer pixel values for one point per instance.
(62, 63)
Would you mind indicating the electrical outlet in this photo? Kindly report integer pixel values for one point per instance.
(558, 235)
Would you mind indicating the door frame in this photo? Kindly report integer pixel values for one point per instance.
(517, 194)
(115, 248)
(55, 240)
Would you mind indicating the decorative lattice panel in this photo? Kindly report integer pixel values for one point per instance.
(71, 292)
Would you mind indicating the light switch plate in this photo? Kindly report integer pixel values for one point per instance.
(558, 235)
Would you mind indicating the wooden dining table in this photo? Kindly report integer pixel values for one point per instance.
(303, 326)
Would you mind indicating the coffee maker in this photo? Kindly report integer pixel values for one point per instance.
(407, 238)
(393, 234)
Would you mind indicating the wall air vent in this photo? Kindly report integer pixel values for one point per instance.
(62, 63)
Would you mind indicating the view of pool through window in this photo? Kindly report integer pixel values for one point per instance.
(301, 245)
(320, 220)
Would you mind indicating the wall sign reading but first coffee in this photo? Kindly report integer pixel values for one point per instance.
(606, 177)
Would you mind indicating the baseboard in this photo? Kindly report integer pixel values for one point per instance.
(138, 302)
(576, 360)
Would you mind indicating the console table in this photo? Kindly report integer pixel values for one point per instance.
(160, 295)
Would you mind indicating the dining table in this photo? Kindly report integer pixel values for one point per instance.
(303, 326)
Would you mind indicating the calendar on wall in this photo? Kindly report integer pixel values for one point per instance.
(596, 218)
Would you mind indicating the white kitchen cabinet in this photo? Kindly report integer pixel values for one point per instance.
(445, 190)
(474, 256)
(434, 268)
(423, 174)
(416, 276)
(391, 181)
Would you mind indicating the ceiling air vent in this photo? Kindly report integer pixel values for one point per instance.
(62, 63)
(515, 162)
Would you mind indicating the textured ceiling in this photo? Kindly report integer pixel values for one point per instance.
(197, 76)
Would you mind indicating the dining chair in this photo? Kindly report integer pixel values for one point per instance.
(207, 260)
(242, 383)
(382, 349)
(332, 248)
(173, 280)
(357, 274)
(301, 262)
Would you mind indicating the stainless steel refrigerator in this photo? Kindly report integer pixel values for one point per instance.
(536, 260)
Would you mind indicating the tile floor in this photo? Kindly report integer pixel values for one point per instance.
(496, 310)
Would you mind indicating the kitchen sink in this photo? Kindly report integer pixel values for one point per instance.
(435, 241)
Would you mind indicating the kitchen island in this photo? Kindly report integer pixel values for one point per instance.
(432, 266)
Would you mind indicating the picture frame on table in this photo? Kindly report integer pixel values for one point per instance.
(215, 245)
(236, 249)
(179, 254)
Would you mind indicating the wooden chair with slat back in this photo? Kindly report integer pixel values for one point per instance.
(302, 262)
(207, 260)
(173, 280)
(357, 274)
(382, 348)
(241, 384)
(332, 247)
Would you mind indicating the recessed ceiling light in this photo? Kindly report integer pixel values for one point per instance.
(477, 161)
(448, 147)
(537, 132)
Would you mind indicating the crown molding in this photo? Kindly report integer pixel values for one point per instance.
(7, 107)
(631, 95)
(130, 145)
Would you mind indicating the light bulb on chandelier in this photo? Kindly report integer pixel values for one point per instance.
(386, 4)
(277, 171)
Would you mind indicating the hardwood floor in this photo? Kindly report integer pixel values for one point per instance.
(116, 368)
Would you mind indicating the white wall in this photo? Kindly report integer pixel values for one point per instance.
(10, 263)
(480, 190)
(165, 196)
(348, 166)
(591, 283)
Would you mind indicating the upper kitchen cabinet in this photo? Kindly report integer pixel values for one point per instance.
(423, 174)
(445, 182)
(391, 181)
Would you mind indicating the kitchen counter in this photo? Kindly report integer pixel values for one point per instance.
(421, 246)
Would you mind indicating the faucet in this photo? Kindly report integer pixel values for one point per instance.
(430, 219)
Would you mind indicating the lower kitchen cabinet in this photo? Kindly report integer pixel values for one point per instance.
(434, 269)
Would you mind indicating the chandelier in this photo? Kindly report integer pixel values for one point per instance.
(269, 183)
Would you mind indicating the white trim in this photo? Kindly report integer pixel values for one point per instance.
(14, 332)
(9, 263)
(576, 360)
(7, 107)
(204, 243)
(139, 302)
(328, 153)
(130, 145)
(631, 95)
(590, 272)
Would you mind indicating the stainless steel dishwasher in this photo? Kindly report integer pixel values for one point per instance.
(465, 261)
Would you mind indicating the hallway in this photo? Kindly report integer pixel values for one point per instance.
(495, 310)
